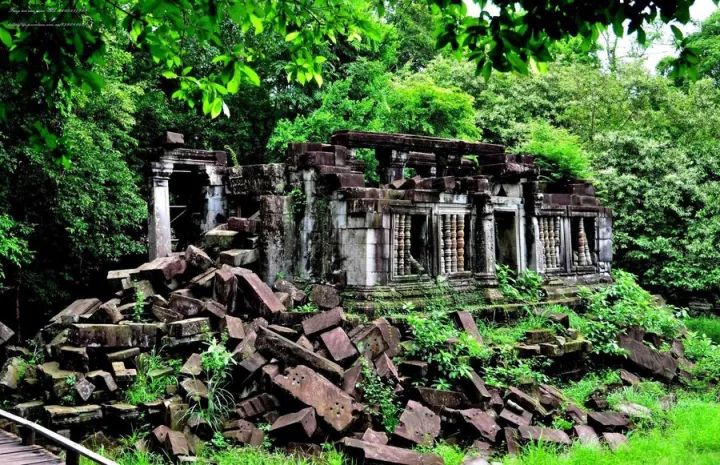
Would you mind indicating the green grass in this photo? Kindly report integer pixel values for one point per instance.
(692, 436)
(708, 325)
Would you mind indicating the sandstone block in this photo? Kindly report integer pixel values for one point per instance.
(300, 424)
(258, 296)
(418, 424)
(338, 345)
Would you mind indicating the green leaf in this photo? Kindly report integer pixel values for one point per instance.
(318, 78)
(257, 23)
(169, 75)
(676, 32)
(5, 37)
(292, 36)
(216, 108)
(91, 78)
(251, 75)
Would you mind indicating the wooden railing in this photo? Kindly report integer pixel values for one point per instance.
(73, 450)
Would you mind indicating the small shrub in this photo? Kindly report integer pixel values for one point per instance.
(377, 392)
(139, 306)
(147, 389)
(559, 154)
(305, 308)
(525, 288)
(707, 325)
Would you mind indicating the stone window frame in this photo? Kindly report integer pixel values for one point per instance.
(429, 218)
(517, 206)
(565, 265)
(469, 215)
(584, 269)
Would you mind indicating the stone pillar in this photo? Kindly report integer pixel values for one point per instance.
(485, 250)
(159, 233)
(214, 197)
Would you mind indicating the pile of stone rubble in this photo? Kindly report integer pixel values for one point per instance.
(299, 373)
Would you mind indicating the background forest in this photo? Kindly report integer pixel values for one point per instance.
(650, 143)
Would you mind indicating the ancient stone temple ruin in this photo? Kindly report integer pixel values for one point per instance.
(441, 208)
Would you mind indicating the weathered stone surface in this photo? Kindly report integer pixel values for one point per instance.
(526, 401)
(122, 373)
(534, 433)
(250, 366)
(305, 342)
(215, 309)
(466, 322)
(300, 424)
(369, 452)
(418, 424)
(108, 312)
(84, 389)
(256, 406)
(192, 366)
(166, 315)
(32, 410)
(515, 419)
(378, 337)
(10, 374)
(330, 402)
(274, 345)
(512, 441)
(189, 327)
(122, 355)
(634, 410)
(119, 280)
(225, 286)
(194, 388)
(243, 225)
(283, 285)
(628, 378)
(61, 415)
(160, 433)
(284, 299)
(176, 443)
(221, 238)
(482, 423)
(5, 334)
(239, 257)
(71, 314)
(376, 437)
(244, 432)
(103, 380)
(438, 399)
(614, 440)
(162, 269)
(476, 389)
(197, 258)
(662, 365)
(608, 421)
(416, 369)
(258, 296)
(385, 368)
(323, 321)
(338, 345)
(538, 336)
(121, 411)
(586, 435)
(142, 335)
(73, 358)
(324, 296)
(185, 305)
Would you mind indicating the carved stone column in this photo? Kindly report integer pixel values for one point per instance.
(159, 233)
(485, 251)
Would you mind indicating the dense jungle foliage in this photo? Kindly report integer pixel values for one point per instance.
(649, 141)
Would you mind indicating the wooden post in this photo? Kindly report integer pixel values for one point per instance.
(28, 436)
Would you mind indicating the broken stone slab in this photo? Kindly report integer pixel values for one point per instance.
(476, 389)
(197, 258)
(378, 337)
(369, 452)
(284, 299)
(385, 368)
(608, 421)
(176, 413)
(273, 345)
(119, 280)
(634, 410)
(338, 345)
(309, 387)
(323, 321)
(121, 411)
(251, 365)
(225, 286)
(512, 441)
(614, 440)
(376, 437)
(221, 238)
(466, 322)
(662, 365)
(192, 366)
(122, 355)
(176, 443)
(324, 296)
(214, 308)
(122, 373)
(536, 434)
(203, 283)
(11, 371)
(629, 379)
(539, 336)
(482, 423)
(194, 389)
(302, 424)
(244, 432)
(438, 399)
(514, 419)
(418, 424)
(258, 296)
(73, 358)
(32, 410)
(526, 401)
(243, 225)
(189, 327)
(144, 335)
(416, 369)
(239, 257)
(63, 416)
(108, 312)
(162, 269)
(256, 405)
(305, 342)
(166, 315)
(185, 305)
(103, 380)
(71, 313)
(160, 433)
(283, 285)
(586, 435)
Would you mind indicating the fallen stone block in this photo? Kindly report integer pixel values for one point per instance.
(192, 366)
(185, 305)
(189, 327)
(438, 399)
(197, 258)
(608, 421)
(123, 374)
(11, 371)
(162, 269)
(121, 411)
(309, 387)
(378, 337)
(466, 323)
(476, 389)
(526, 401)
(63, 416)
(194, 389)
(481, 423)
(376, 437)
(221, 238)
(32, 410)
(73, 358)
(323, 321)
(243, 225)
(258, 296)
(103, 380)
(418, 424)
(512, 441)
(515, 419)
(274, 345)
(368, 452)
(614, 440)
(142, 335)
(225, 286)
(239, 257)
(628, 378)
(244, 432)
(536, 434)
(256, 406)
(122, 355)
(284, 299)
(282, 285)
(634, 410)
(300, 424)
(71, 313)
(324, 296)
(586, 435)
(662, 365)
(338, 345)
(166, 315)
(84, 389)
(416, 369)
(176, 443)
(120, 280)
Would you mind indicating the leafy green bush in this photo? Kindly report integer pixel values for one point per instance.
(146, 388)
(707, 325)
(612, 309)
(559, 154)
(378, 393)
(526, 287)
(700, 349)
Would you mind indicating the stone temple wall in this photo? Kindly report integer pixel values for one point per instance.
(442, 208)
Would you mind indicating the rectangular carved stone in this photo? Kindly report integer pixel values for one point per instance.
(258, 295)
(369, 452)
(466, 322)
(111, 336)
(418, 424)
(185, 305)
(68, 416)
(535, 434)
(162, 269)
(300, 424)
(274, 345)
(338, 345)
(482, 423)
(71, 314)
(322, 321)
(189, 327)
(608, 421)
(659, 364)
(256, 405)
(239, 257)
(438, 399)
(334, 405)
(586, 435)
